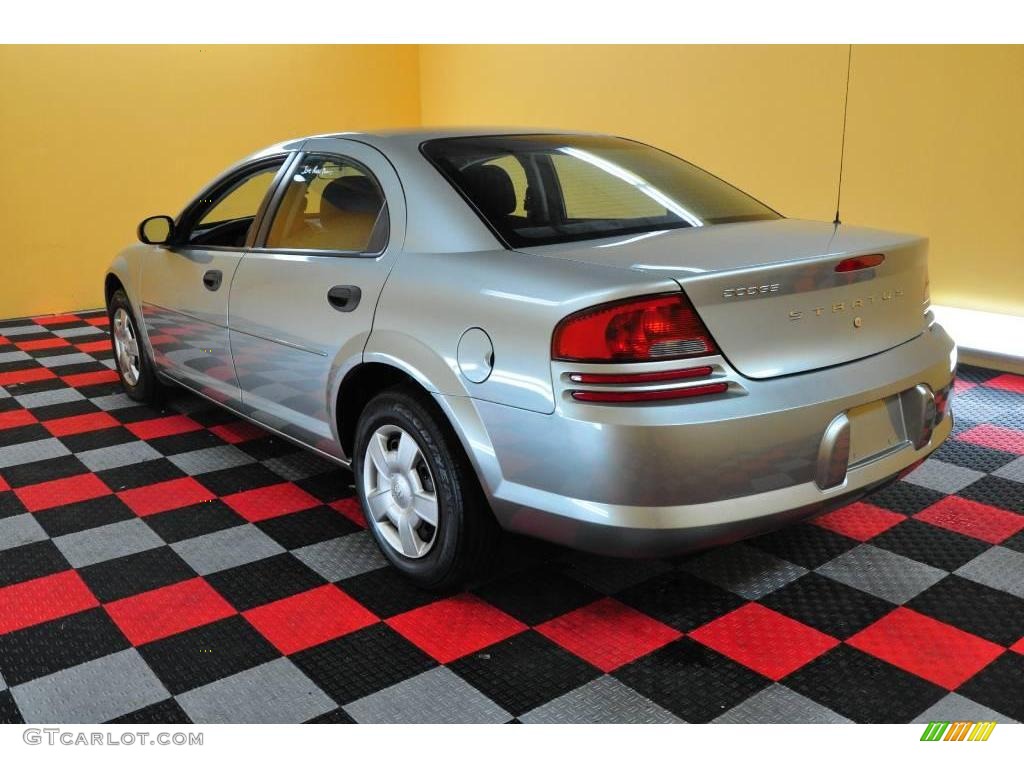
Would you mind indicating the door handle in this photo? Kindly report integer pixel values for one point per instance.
(212, 278)
(344, 298)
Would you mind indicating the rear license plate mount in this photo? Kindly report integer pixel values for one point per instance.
(876, 429)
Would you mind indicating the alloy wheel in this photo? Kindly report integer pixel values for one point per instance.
(126, 347)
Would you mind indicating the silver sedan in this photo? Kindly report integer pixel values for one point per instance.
(576, 337)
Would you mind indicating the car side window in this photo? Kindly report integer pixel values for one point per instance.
(225, 218)
(330, 204)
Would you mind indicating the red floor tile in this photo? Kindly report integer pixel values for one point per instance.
(351, 509)
(1009, 382)
(50, 597)
(972, 518)
(86, 422)
(150, 429)
(238, 432)
(995, 437)
(302, 621)
(270, 501)
(28, 346)
(925, 647)
(67, 490)
(56, 319)
(860, 520)
(18, 418)
(25, 375)
(456, 626)
(94, 346)
(100, 320)
(170, 494)
(1018, 647)
(764, 640)
(87, 379)
(608, 634)
(169, 610)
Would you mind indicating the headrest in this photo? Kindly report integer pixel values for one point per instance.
(349, 194)
(490, 187)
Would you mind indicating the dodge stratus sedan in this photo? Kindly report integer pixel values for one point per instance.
(576, 337)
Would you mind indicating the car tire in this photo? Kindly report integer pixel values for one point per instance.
(134, 367)
(462, 542)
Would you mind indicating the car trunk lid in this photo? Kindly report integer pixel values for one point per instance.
(769, 291)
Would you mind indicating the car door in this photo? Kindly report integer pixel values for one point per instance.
(185, 285)
(303, 298)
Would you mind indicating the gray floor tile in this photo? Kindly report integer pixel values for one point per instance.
(22, 330)
(118, 455)
(79, 330)
(777, 704)
(435, 696)
(211, 459)
(604, 700)
(953, 707)
(225, 549)
(999, 568)
(3, 683)
(113, 402)
(93, 692)
(942, 477)
(14, 357)
(72, 358)
(275, 692)
(19, 530)
(1012, 471)
(745, 570)
(49, 397)
(343, 557)
(37, 450)
(97, 545)
(881, 573)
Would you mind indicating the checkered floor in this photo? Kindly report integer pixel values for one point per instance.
(181, 566)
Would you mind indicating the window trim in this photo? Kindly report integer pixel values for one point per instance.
(228, 179)
(273, 206)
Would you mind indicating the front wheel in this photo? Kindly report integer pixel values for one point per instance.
(134, 367)
(419, 493)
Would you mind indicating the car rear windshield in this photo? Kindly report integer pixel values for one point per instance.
(540, 189)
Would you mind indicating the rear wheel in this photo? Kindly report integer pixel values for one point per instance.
(419, 493)
(134, 367)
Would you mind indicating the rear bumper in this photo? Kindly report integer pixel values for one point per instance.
(657, 480)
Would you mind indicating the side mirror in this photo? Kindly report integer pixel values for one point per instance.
(156, 230)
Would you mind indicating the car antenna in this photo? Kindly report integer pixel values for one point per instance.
(842, 146)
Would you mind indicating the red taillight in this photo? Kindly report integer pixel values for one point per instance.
(637, 330)
(646, 396)
(860, 262)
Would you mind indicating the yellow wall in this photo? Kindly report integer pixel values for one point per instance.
(94, 138)
(935, 144)
(933, 139)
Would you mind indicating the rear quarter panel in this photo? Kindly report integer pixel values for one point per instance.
(431, 299)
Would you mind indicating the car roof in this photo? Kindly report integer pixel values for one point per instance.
(413, 137)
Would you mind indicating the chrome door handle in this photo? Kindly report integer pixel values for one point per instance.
(344, 298)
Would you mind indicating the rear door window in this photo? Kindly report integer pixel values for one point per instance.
(330, 204)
